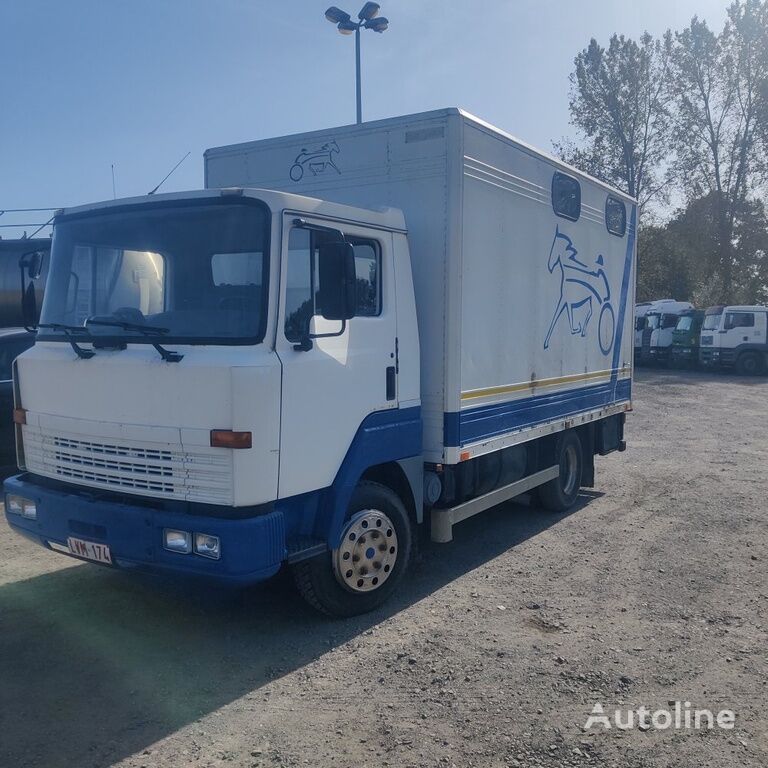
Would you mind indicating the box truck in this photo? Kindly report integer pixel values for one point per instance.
(735, 337)
(348, 334)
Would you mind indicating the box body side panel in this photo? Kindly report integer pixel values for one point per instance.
(546, 302)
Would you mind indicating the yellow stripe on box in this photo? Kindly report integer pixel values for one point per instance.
(527, 386)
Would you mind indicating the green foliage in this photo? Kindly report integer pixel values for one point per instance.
(689, 114)
(681, 259)
(618, 98)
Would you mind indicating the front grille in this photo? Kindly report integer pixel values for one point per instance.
(706, 341)
(164, 471)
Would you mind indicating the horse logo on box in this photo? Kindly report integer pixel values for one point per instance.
(584, 289)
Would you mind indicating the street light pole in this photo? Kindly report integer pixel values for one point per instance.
(367, 18)
(359, 88)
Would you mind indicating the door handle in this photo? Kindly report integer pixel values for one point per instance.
(391, 383)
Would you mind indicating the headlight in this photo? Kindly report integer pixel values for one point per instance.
(177, 541)
(18, 505)
(207, 546)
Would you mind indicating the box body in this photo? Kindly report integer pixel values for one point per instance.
(525, 317)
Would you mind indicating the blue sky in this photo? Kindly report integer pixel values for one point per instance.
(138, 83)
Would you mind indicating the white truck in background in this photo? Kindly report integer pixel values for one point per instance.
(735, 337)
(640, 309)
(660, 322)
(347, 334)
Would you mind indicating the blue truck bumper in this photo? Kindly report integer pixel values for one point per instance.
(252, 548)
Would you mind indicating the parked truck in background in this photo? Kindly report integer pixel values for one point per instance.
(641, 311)
(685, 338)
(660, 322)
(27, 256)
(347, 334)
(735, 337)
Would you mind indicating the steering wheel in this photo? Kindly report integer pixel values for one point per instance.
(130, 315)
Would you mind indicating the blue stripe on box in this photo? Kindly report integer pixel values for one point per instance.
(496, 419)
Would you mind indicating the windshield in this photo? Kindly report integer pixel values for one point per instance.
(668, 321)
(711, 322)
(652, 321)
(685, 323)
(197, 270)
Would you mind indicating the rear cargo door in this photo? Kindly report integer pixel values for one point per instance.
(330, 388)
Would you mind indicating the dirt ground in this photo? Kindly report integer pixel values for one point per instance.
(654, 590)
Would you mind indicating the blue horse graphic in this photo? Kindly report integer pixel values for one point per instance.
(581, 288)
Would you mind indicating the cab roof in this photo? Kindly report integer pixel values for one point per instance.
(278, 202)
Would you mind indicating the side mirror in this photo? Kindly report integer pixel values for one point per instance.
(337, 292)
(32, 263)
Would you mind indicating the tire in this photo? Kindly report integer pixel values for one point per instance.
(560, 494)
(297, 172)
(332, 584)
(750, 364)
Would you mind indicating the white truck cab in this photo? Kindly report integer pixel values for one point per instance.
(347, 334)
(735, 337)
(660, 321)
(641, 310)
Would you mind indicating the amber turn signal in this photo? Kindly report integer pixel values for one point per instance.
(19, 416)
(226, 438)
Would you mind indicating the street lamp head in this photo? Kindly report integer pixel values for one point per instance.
(368, 11)
(336, 15)
(347, 27)
(377, 25)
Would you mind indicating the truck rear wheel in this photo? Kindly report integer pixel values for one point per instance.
(750, 364)
(560, 493)
(374, 554)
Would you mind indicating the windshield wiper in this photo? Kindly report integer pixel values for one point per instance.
(144, 330)
(70, 331)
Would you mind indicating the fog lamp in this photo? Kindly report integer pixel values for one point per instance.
(207, 546)
(177, 541)
(14, 504)
(18, 505)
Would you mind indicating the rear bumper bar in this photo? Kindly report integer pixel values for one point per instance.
(252, 549)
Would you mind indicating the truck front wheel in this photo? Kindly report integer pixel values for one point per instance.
(560, 493)
(749, 364)
(375, 551)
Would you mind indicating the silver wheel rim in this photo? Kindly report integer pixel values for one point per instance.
(568, 469)
(368, 551)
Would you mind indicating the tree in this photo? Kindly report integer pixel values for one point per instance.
(617, 102)
(717, 82)
(681, 259)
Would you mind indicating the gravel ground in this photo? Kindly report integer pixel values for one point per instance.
(654, 590)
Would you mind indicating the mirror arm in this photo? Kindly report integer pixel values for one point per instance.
(306, 341)
(304, 224)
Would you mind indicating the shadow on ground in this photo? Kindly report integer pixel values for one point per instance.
(96, 665)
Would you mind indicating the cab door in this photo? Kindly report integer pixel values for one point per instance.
(330, 384)
(739, 328)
